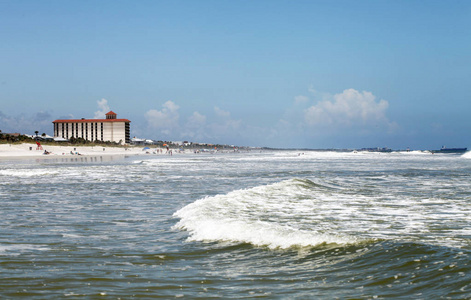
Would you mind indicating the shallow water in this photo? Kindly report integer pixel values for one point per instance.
(278, 224)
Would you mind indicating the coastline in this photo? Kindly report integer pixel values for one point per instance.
(28, 151)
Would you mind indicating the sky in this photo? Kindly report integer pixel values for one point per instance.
(288, 74)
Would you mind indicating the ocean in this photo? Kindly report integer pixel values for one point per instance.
(259, 224)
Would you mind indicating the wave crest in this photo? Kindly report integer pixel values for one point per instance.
(270, 215)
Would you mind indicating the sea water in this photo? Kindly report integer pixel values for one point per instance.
(259, 224)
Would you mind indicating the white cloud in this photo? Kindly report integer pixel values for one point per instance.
(226, 124)
(170, 106)
(167, 123)
(196, 120)
(301, 99)
(195, 127)
(328, 118)
(163, 119)
(103, 108)
(27, 124)
(221, 113)
(350, 108)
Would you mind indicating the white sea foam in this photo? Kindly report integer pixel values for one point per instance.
(415, 152)
(17, 249)
(262, 216)
(466, 154)
(27, 172)
(302, 213)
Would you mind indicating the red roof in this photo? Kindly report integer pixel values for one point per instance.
(90, 120)
(110, 113)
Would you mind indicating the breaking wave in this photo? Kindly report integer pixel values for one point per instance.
(270, 216)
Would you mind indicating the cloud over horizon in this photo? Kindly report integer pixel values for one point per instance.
(348, 109)
(168, 123)
(323, 116)
(165, 120)
(26, 124)
(103, 108)
(330, 120)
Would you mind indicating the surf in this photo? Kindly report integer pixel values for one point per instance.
(267, 215)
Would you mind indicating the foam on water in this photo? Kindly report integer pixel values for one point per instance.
(466, 154)
(262, 216)
(27, 172)
(299, 212)
(18, 249)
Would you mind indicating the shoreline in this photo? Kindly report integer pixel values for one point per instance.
(27, 151)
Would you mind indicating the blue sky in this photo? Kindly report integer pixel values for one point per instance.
(316, 74)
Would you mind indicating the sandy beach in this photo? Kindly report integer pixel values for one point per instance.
(28, 150)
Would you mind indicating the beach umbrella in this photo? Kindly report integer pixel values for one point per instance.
(145, 148)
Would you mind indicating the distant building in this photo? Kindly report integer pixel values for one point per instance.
(109, 129)
(137, 141)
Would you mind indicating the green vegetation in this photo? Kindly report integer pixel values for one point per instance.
(16, 138)
(10, 138)
(84, 142)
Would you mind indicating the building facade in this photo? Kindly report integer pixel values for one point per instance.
(110, 129)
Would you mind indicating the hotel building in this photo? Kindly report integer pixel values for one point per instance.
(109, 129)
